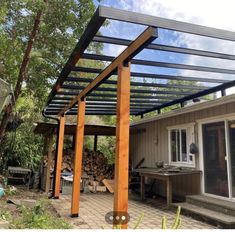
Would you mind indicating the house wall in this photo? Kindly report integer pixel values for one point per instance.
(150, 139)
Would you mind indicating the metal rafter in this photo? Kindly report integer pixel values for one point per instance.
(155, 76)
(92, 28)
(150, 94)
(134, 48)
(161, 64)
(134, 83)
(196, 95)
(174, 25)
(166, 48)
(145, 91)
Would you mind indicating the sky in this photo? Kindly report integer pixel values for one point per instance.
(216, 13)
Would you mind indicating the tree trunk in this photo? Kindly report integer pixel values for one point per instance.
(22, 74)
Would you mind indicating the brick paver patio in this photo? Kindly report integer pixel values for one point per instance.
(93, 208)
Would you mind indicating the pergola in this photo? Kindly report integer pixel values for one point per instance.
(74, 94)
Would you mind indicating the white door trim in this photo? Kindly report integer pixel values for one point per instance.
(228, 159)
(225, 119)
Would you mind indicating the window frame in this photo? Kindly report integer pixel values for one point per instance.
(189, 128)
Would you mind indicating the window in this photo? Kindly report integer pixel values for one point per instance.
(180, 139)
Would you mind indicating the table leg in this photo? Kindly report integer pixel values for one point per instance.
(168, 191)
(142, 187)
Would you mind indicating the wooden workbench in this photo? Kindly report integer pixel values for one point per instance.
(166, 176)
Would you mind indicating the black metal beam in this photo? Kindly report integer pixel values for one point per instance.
(166, 48)
(87, 113)
(193, 96)
(161, 64)
(104, 105)
(107, 107)
(146, 37)
(148, 20)
(90, 109)
(92, 28)
(54, 102)
(59, 98)
(114, 103)
(154, 76)
(133, 96)
(98, 112)
(139, 84)
(144, 91)
(100, 103)
(114, 100)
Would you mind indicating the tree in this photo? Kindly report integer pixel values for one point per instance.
(36, 39)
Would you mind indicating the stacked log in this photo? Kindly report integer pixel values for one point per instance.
(95, 164)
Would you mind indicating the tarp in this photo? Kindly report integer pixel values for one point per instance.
(5, 97)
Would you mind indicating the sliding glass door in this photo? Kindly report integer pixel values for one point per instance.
(231, 138)
(219, 158)
(214, 156)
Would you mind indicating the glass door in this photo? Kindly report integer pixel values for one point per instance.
(231, 138)
(214, 156)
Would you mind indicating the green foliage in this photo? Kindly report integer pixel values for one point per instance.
(177, 222)
(38, 217)
(22, 147)
(56, 39)
(61, 25)
(4, 215)
(10, 191)
(106, 144)
(140, 219)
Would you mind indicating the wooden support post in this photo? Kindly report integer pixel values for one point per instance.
(49, 160)
(95, 142)
(78, 159)
(59, 158)
(122, 141)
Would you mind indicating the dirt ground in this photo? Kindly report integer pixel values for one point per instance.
(10, 204)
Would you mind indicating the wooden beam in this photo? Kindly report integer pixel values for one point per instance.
(134, 48)
(122, 141)
(59, 158)
(78, 159)
(49, 161)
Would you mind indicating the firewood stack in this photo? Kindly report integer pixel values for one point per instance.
(95, 164)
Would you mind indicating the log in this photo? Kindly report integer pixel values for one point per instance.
(95, 165)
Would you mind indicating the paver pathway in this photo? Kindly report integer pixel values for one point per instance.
(93, 208)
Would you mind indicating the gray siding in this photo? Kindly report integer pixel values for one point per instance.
(150, 139)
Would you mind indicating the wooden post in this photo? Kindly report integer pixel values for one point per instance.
(122, 141)
(95, 142)
(59, 158)
(78, 158)
(49, 160)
